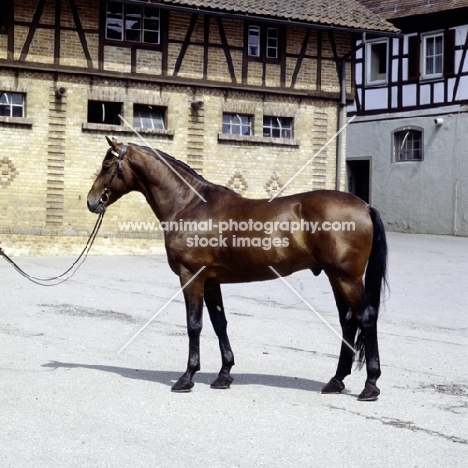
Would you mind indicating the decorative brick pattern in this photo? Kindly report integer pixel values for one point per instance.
(7, 172)
(273, 185)
(238, 183)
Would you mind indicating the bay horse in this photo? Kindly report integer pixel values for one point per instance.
(205, 223)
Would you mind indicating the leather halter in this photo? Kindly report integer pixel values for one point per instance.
(117, 172)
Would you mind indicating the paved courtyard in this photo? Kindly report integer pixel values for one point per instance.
(69, 399)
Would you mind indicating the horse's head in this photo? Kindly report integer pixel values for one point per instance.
(114, 179)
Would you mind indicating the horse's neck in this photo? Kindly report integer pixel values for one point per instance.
(167, 186)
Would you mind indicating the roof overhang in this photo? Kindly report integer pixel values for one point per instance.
(263, 18)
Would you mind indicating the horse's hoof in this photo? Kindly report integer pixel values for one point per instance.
(370, 393)
(334, 386)
(222, 382)
(182, 386)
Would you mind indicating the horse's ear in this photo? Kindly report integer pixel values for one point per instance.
(112, 143)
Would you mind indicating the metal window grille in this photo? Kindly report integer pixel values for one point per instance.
(408, 145)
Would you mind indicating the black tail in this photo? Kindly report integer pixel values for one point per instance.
(376, 274)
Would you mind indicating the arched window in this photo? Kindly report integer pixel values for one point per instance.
(408, 144)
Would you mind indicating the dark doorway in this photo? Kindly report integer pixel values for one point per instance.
(359, 178)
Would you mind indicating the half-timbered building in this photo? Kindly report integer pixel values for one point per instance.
(244, 92)
(407, 144)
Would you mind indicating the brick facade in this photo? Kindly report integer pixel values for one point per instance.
(51, 154)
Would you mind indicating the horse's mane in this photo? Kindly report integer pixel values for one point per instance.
(181, 164)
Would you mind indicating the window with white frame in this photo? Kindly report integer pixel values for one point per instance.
(432, 55)
(377, 60)
(254, 41)
(12, 104)
(408, 144)
(152, 117)
(278, 127)
(263, 42)
(272, 43)
(237, 124)
(133, 23)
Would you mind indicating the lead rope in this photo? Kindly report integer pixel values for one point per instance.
(56, 280)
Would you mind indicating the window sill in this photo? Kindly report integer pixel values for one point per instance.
(376, 84)
(95, 127)
(23, 121)
(431, 78)
(258, 140)
(407, 161)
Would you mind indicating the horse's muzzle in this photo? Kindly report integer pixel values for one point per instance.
(97, 208)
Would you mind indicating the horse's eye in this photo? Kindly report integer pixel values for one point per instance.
(105, 169)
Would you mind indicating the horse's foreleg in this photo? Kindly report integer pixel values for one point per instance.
(193, 295)
(214, 304)
(345, 363)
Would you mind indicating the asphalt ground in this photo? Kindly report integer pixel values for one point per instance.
(69, 399)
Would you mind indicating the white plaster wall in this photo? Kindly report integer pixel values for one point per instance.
(418, 197)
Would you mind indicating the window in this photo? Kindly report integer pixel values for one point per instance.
(12, 104)
(432, 60)
(237, 124)
(254, 41)
(408, 145)
(377, 59)
(272, 43)
(263, 42)
(103, 112)
(277, 127)
(132, 23)
(431, 56)
(6, 9)
(151, 117)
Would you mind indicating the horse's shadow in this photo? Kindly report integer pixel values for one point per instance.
(168, 377)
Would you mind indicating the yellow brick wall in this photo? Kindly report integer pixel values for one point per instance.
(43, 206)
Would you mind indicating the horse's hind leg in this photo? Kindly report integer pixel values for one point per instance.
(214, 304)
(349, 327)
(368, 326)
(365, 316)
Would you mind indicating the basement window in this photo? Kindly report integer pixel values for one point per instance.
(103, 112)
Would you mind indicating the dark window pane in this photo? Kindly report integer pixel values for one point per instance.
(104, 112)
(133, 23)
